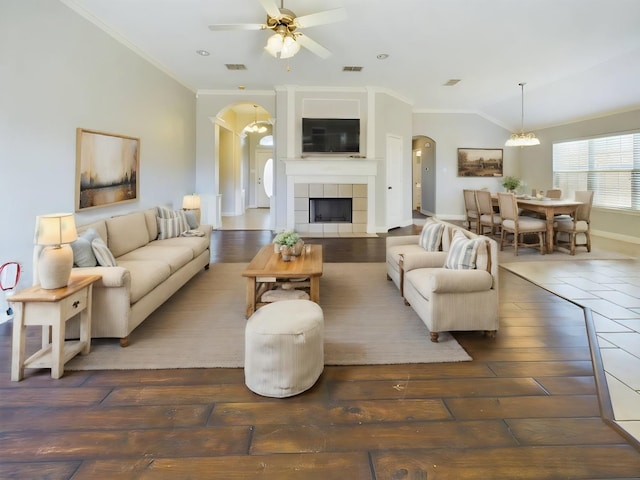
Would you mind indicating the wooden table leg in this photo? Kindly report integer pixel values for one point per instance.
(251, 296)
(314, 293)
(57, 348)
(19, 343)
(85, 324)
(550, 218)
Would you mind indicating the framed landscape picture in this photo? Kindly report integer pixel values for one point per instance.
(479, 162)
(107, 167)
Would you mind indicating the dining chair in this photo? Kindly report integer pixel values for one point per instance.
(519, 225)
(554, 193)
(471, 210)
(487, 216)
(579, 223)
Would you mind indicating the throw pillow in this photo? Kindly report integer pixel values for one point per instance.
(103, 254)
(431, 236)
(191, 219)
(83, 255)
(462, 252)
(164, 212)
(171, 227)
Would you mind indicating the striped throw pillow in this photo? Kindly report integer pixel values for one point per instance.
(103, 255)
(462, 252)
(170, 227)
(431, 236)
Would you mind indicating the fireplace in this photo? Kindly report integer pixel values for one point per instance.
(330, 210)
(343, 178)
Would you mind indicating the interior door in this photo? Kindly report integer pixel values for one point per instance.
(394, 181)
(262, 199)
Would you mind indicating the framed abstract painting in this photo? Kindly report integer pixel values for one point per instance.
(107, 169)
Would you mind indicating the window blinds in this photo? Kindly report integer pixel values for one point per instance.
(610, 166)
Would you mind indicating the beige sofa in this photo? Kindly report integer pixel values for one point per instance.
(148, 271)
(451, 298)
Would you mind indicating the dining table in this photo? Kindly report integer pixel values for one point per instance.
(548, 208)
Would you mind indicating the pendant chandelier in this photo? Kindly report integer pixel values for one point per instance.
(522, 139)
(255, 126)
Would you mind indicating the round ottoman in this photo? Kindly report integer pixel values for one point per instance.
(284, 348)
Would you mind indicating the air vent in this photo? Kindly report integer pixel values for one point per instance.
(235, 66)
(452, 82)
(351, 69)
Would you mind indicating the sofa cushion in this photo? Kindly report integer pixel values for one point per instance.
(462, 252)
(431, 236)
(192, 220)
(145, 276)
(196, 244)
(175, 256)
(126, 233)
(100, 226)
(104, 257)
(83, 255)
(394, 252)
(152, 225)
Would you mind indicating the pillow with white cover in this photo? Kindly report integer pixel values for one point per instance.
(431, 236)
(103, 255)
(83, 255)
(462, 252)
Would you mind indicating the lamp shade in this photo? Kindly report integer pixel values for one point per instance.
(55, 229)
(191, 202)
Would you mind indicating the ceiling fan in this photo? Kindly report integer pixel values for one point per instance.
(286, 40)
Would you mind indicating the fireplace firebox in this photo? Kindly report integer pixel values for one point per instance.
(330, 210)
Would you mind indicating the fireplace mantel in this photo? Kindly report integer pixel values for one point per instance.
(332, 171)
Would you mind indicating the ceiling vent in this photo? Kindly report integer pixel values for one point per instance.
(452, 82)
(235, 66)
(351, 69)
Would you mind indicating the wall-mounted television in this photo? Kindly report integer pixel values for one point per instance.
(330, 135)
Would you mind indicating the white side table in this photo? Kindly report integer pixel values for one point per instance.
(51, 309)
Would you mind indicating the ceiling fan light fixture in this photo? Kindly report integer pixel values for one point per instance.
(289, 47)
(274, 44)
(522, 139)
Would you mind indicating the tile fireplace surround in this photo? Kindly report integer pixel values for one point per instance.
(332, 178)
(304, 191)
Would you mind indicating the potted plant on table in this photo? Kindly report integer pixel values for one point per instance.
(288, 243)
(510, 183)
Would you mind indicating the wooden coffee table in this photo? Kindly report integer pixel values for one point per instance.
(268, 268)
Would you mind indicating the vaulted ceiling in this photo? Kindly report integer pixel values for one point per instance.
(578, 58)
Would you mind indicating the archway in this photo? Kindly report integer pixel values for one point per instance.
(241, 167)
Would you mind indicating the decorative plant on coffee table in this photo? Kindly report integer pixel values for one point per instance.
(289, 243)
(510, 183)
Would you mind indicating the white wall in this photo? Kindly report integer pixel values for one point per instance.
(59, 72)
(451, 131)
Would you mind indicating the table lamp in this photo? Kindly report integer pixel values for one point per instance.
(192, 202)
(55, 232)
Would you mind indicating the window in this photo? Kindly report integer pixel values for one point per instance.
(610, 166)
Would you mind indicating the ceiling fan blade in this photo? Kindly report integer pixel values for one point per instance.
(313, 46)
(321, 18)
(271, 8)
(238, 26)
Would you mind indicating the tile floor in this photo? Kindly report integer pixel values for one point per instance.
(610, 288)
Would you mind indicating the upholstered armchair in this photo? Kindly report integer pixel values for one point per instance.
(428, 248)
(459, 294)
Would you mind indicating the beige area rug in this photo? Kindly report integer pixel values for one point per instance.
(202, 325)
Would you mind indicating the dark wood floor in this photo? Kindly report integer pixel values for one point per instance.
(526, 407)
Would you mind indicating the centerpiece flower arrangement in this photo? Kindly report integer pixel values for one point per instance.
(510, 183)
(288, 243)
